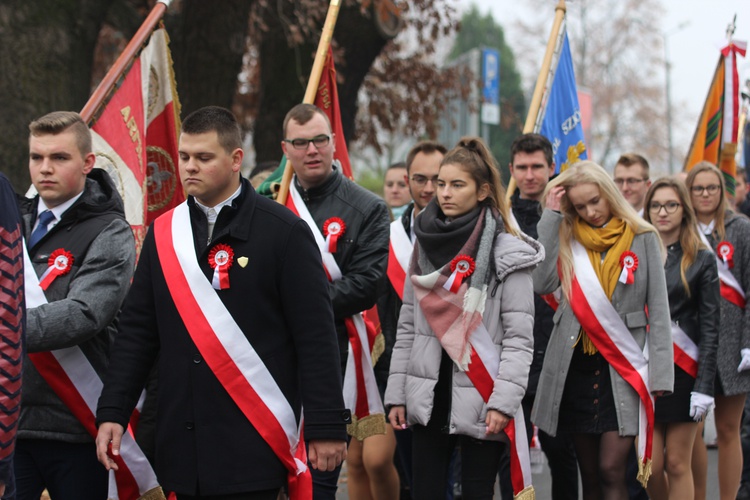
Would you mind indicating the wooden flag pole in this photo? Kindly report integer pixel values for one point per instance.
(312, 85)
(105, 87)
(541, 82)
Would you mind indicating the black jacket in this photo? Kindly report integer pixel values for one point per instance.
(527, 214)
(697, 315)
(280, 301)
(362, 253)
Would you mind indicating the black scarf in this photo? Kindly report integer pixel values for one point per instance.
(440, 239)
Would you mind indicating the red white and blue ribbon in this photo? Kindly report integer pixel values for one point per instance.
(462, 266)
(60, 263)
(220, 259)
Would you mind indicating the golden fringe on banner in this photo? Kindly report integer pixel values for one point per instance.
(366, 426)
(527, 493)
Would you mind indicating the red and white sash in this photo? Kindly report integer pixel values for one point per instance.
(730, 287)
(70, 374)
(399, 254)
(227, 350)
(685, 351)
(483, 365)
(612, 338)
(360, 388)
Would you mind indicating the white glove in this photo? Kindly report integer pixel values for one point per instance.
(745, 361)
(700, 405)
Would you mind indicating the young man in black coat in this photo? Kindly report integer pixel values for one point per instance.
(251, 318)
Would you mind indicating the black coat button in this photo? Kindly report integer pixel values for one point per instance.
(189, 426)
(197, 359)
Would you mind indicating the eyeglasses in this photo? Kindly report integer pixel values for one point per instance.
(671, 207)
(712, 189)
(421, 180)
(630, 182)
(320, 141)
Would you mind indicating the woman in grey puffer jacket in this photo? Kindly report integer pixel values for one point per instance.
(464, 342)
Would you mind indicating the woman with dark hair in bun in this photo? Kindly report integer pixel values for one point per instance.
(464, 341)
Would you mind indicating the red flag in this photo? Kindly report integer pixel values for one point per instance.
(327, 99)
(135, 137)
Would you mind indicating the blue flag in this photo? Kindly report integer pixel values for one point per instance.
(562, 118)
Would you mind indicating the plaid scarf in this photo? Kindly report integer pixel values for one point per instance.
(454, 316)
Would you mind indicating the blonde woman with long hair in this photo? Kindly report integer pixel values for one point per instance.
(693, 288)
(596, 378)
(728, 234)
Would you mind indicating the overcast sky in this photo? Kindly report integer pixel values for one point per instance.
(693, 50)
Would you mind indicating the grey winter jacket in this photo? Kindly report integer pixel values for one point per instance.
(649, 288)
(509, 318)
(83, 304)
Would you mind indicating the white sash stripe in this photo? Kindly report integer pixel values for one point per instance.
(681, 340)
(226, 329)
(328, 261)
(350, 380)
(89, 386)
(401, 245)
(725, 274)
(606, 314)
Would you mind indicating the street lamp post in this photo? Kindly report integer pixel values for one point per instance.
(668, 70)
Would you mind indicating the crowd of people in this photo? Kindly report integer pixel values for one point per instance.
(426, 339)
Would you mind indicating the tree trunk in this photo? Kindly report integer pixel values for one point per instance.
(285, 71)
(208, 42)
(46, 57)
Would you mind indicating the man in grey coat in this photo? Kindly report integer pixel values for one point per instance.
(82, 249)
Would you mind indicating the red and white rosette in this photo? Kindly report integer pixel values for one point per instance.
(462, 266)
(333, 229)
(726, 253)
(220, 259)
(629, 263)
(60, 263)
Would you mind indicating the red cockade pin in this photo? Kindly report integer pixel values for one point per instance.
(726, 252)
(333, 229)
(462, 266)
(629, 263)
(60, 263)
(220, 259)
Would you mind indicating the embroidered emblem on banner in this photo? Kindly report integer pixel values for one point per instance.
(220, 259)
(60, 263)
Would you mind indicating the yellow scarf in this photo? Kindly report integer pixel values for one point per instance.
(614, 239)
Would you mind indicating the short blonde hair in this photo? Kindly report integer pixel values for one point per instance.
(61, 121)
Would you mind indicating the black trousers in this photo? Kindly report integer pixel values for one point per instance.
(432, 450)
(67, 470)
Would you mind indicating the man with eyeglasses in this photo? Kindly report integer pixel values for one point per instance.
(422, 166)
(351, 226)
(632, 179)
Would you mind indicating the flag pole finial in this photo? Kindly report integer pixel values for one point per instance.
(731, 28)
